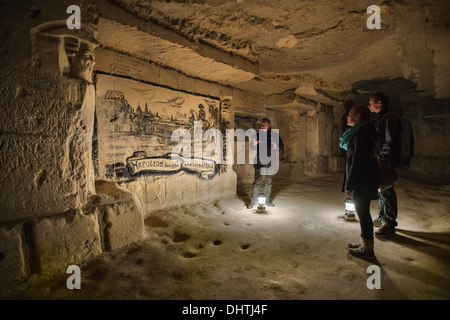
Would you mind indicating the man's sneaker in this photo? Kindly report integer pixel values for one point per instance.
(250, 205)
(377, 222)
(270, 204)
(385, 230)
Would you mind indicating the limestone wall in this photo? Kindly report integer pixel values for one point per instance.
(47, 221)
(427, 126)
(56, 208)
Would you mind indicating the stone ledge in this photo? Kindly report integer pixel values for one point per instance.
(12, 257)
(67, 239)
(120, 216)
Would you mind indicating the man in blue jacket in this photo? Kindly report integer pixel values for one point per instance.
(389, 130)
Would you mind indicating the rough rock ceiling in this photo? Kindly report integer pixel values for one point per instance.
(145, 46)
(287, 43)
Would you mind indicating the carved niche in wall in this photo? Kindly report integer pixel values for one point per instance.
(57, 49)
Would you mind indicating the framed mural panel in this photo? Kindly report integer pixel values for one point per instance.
(134, 126)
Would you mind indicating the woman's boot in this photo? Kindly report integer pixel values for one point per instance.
(354, 245)
(365, 250)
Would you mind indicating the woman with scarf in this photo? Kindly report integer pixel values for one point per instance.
(361, 180)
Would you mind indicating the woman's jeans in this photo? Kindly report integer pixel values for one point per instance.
(362, 207)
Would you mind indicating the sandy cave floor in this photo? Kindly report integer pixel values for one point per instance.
(295, 251)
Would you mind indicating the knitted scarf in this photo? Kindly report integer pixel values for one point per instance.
(346, 138)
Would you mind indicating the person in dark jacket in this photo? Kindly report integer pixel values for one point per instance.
(389, 128)
(271, 145)
(361, 175)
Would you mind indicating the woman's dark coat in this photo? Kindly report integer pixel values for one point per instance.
(361, 165)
